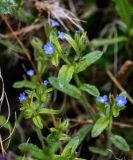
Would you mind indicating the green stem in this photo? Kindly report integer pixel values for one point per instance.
(41, 138)
(20, 117)
(109, 133)
(65, 58)
(85, 103)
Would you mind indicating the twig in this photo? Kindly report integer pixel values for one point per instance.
(89, 121)
(22, 31)
(20, 43)
(118, 85)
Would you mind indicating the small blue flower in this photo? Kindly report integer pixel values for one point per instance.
(3, 157)
(45, 82)
(22, 97)
(30, 72)
(102, 99)
(61, 35)
(49, 48)
(53, 23)
(120, 101)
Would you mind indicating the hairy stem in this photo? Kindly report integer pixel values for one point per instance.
(41, 138)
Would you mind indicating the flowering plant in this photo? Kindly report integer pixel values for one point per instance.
(52, 84)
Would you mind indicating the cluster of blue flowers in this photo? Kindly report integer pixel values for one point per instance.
(22, 96)
(49, 47)
(120, 100)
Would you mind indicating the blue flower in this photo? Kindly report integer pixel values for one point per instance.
(49, 48)
(45, 82)
(22, 96)
(3, 157)
(61, 35)
(102, 99)
(30, 72)
(120, 101)
(53, 23)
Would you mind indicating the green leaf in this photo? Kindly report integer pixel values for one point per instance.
(7, 6)
(48, 111)
(79, 159)
(91, 89)
(82, 133)
(72, 42)
(24, 83)
(55, 59)
(24, 16)
(120, 142)
(37, 121)
(71, 147)
(116, 110)
(100, 151)
(54, 39)
(19, 157)
(33, 150)
(99, 126)
(76, 141)
(87, 60)
(71, 90)
(11, 46)
(124, 9)
(108, 41)
(3, 121)
(65, 74)
(37, 43)
(124, 93)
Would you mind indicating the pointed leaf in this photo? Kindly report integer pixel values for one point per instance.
(37, 121)
(55, 60)
(124, 9)
(24, 83)
(120, 142)
(82, 133)
(108, 41)
(99, 126)
(91, 89)
(71, 147)
(11, 46)
(65, 74)
(101, 151)
(33, 150)
(87, 60)
(72, 42)
(48, 111)
(71, 90)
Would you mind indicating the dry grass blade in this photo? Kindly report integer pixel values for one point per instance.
(3, 95)
(118, 85)
(23, 31)
(124, 71)
(54, 9)
(2, 92)
(1, 145)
